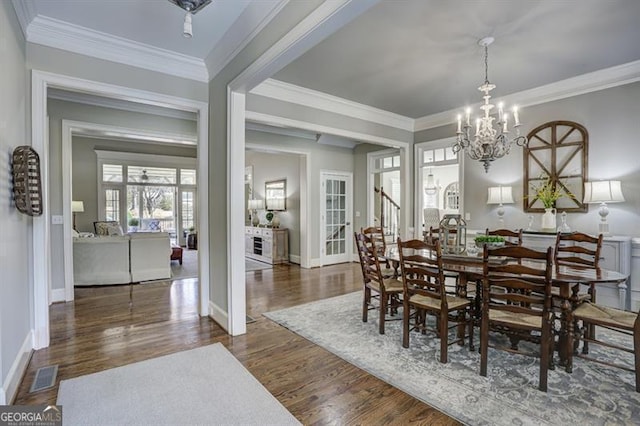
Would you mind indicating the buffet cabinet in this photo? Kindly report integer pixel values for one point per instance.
(269, 245)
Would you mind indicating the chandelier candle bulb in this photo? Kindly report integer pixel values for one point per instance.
(516, 118)
(459, 131)
(468, 113)
(504, 124)
(500, 111)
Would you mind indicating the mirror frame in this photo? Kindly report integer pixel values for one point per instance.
(275, 189)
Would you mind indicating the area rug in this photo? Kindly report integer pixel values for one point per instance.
(189, 267)
(593, 394)
(254, 265)
(207, 385)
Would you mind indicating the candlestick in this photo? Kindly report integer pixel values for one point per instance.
(504, 125)
(468, 112)
(500, 111)
(477, 126)
(459, 124)
(515, 116)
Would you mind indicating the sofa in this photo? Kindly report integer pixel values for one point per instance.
(121, 259)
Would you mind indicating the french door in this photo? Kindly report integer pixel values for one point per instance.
(336, 233)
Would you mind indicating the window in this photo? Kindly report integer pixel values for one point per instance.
(452, 196)
(112, 205)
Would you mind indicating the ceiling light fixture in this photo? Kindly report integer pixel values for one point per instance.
(192, 7)
(431, 187)
(488, 143)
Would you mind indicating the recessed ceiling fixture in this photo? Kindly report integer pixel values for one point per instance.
(192, 7)
(489, 142)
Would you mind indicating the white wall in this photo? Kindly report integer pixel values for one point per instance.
(611, 118)
(268, 167)
(16, 280)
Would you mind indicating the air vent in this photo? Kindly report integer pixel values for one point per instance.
(45, 378)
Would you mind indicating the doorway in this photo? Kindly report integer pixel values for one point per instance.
(335, 220)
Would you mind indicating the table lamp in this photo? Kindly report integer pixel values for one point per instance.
(603, 192)
(500, 195)
(254, 206)
(76, 207)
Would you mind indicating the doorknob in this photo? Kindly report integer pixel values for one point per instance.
(348, 223)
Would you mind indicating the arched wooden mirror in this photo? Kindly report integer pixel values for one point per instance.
(557, 150)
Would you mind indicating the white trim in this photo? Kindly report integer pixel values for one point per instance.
(82, 98)
(26, 11)
(133, 158)
(59, 294)
(16, 372)
(85, 41)
(574, 86)
(298, 95)
(296, 133)
(218, 314)
(41, 82)
(294, 259)
(274, 120)
(236, 274)
(224, 51)
(315, 263)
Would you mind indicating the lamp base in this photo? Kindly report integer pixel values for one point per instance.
(603, 226)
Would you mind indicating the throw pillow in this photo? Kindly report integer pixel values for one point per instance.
(107, 228)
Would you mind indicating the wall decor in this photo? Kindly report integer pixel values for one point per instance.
(27, 186)
(556, 159)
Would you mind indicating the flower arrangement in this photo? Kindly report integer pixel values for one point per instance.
(548, 193)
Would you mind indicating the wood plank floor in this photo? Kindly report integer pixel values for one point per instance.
(99, 331)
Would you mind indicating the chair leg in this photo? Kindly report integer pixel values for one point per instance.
(365, 304)
(484, 345)
(405, 323)
(383, 311)
(544, 355)
(471, 346)
(444, 337)
(636, 351)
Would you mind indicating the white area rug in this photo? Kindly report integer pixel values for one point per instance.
(189, 267)
(254, 265)
(592, 395)
(204, 386)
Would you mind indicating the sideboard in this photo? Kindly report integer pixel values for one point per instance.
(270, 245)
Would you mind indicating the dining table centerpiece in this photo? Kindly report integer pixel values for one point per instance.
(491, 241)
(548, 192)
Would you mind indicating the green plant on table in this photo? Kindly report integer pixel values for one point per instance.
(489, 239)
(548, 192)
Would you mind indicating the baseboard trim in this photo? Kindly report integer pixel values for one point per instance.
(18, 368)
(58, 295)
(219, 316)
(293, 258)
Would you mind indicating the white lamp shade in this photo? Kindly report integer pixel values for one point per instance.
(605, 191)
(275, 204)
(500, 195)
(77, 207)
(256, 204)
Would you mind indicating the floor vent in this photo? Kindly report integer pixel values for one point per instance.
(45, 378)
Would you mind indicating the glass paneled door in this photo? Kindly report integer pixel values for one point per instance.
(336, 232)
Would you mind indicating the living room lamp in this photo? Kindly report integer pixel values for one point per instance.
(603, 192)
(500, 195)
(254, 206)
(76, 207)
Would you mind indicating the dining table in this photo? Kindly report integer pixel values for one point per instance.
(469, 268)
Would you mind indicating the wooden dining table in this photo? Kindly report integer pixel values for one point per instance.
(469, 269)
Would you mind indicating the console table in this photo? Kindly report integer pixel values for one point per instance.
(270, 245)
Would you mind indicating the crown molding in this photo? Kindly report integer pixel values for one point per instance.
(106, 131)
(253, 20)
(287, 92)
(63, 35)
(570, 87)
(26, 11)
(104, 102)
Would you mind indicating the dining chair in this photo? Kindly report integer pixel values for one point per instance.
(424, 293)
(581, 251)
(386, 290)
(522, 313)
(376, 234)
(511, 238)
(628, 323)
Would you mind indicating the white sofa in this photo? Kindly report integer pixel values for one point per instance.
(101, 260)
(150, 256)
(140, 256)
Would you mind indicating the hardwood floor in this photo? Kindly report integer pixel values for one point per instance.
(99, 331)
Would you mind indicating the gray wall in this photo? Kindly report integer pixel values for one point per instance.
(320, 157)
(611, 118)
(16, 281)
(59, 110)
(85, 170)
(267, 167)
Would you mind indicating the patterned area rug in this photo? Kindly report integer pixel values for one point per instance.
(592, 395)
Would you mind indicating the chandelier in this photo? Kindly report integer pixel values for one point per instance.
(490, 141)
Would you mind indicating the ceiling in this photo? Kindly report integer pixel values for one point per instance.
(415, 58)
(420, 57)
